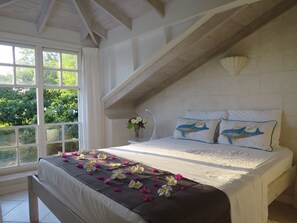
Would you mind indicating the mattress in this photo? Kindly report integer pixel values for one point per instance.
(242, 173)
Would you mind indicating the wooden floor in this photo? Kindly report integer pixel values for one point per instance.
(15, 209)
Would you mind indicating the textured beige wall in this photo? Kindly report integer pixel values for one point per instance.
(269, 81)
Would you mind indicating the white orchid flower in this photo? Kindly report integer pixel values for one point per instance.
(89, 166)
(137, 169)
(102, 156)
(171, 181)
(115, 164)
(135, 185)
(80, 157)
(118, 174)
(165, 191)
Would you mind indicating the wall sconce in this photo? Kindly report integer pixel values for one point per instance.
(234, 64)
(155, 123)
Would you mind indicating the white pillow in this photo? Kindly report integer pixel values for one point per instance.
(206, 115)
(195, 129)
(260, 116)
(256, 135)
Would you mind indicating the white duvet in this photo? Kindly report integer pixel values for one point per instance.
(242, 173)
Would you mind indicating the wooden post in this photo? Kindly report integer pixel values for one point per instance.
(33, 202)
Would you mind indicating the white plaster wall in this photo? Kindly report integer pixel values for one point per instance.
(268, 82)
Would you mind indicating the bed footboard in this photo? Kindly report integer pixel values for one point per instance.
(61, 211)
(276, 187)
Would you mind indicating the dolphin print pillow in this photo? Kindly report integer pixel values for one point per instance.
(196, 129)
(256, 135)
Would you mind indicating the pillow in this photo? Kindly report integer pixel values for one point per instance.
(206, 115)
(260, 116)
(195, 129)
(256, 135)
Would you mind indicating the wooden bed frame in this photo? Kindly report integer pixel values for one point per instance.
(65, 214)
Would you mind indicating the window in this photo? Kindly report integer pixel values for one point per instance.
(60, 72)
(32, 123)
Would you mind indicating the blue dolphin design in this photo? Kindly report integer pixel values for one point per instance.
(233, 134)
(190, 128)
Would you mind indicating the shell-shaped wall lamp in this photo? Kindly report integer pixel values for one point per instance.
(234, 64)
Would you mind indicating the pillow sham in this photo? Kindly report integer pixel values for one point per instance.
(256, 135)
(196, 129)
(206, 115)
(260, 116)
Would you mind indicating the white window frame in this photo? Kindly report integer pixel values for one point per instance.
(39, 86)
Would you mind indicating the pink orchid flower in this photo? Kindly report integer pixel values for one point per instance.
(108, 181)
(154, 170)
(156, 185)
(179, 176)
(75, 153)
(89, 172)
(126, 163)
(65, 160)
(117, 189)
(64, 155)
(145, 190)
(97, 165)
(182, 188)
(80, 165)
(147, 198)
(100, 177)
(127, 172)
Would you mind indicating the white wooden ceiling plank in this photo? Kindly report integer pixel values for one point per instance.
(84, 14)
(114, 12)
(99, 30)
(157, 6)
(46, 9)
(7, 2)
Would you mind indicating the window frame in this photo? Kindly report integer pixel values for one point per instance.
(40, 86)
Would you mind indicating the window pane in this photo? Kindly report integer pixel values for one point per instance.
(6, 74)
(25, 75)
(53, 133)
(71, 131)
(51, 77)
(28, 155)
(51, 59)
(24, 56)
(27, 135)
(6, 54)
(71, 146)
(69, 78)
(17, 106)
(60, 105)
(53, 148)
(69, 61)
(7, 157)
(7, 137)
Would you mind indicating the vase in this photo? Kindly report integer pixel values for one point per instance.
(136, 131)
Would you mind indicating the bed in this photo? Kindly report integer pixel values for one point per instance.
(250, 178)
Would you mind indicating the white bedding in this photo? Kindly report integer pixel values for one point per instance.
(242, 173)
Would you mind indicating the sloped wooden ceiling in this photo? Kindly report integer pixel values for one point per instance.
(209, 37)
(92, 18)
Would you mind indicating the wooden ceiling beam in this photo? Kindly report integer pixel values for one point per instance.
(114, 12)
(84, 14)
(46, 9)
(4, 3)
(99, 30)
(157, 6)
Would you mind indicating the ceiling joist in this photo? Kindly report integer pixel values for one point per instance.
(157, 6)
(7, 2)
(84, 14)
(114, 12)
(46, 9)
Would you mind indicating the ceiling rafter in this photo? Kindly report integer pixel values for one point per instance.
(114, 12)
(84, 14)
(46, 9)
(157, 6)
(7, 2)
